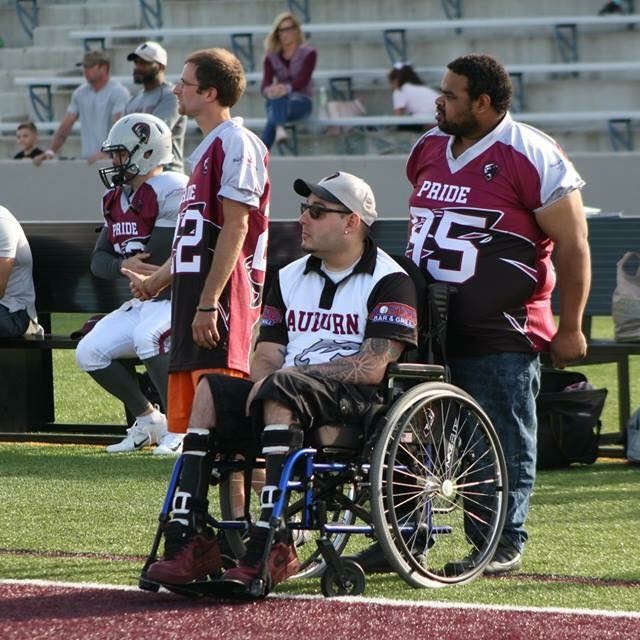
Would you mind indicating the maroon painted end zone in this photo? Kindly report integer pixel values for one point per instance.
(32, 612)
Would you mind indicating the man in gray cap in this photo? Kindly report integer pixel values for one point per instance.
(157, 97)
(331, 323)
(98, 103)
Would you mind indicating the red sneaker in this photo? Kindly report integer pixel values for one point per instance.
(187, 557)
(281, 564)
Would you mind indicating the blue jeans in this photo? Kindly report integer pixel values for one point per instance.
(282, 110)
(506, 385)
(13, 325)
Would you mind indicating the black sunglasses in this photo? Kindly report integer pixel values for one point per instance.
(316, 210)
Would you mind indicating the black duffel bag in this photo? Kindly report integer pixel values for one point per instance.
(569, 424)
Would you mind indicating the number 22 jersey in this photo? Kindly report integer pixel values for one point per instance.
(230, 162)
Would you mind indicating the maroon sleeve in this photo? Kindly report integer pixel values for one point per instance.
(267, 74)
(308, 66)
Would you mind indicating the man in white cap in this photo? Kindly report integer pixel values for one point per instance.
(331, 323)
(157, 97)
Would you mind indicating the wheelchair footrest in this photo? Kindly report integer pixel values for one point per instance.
(233, 589)
(238, 590)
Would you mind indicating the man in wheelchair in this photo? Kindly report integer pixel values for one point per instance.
(331, 324)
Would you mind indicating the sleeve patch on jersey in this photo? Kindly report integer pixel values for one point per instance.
(271, 316)
(394, 313)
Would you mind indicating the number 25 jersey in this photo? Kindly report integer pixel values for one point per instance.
(473, 225)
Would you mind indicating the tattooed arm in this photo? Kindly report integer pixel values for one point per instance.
(368, 366)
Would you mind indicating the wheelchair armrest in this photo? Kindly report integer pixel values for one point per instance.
(415, 370)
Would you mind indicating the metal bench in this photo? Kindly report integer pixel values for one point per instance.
(64, 284)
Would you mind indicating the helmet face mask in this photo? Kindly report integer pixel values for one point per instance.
(143, 143)
(118, 174)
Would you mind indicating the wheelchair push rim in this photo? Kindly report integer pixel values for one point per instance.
(439, 486)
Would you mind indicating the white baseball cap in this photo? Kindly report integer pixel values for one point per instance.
(150, 52)
(345, 189)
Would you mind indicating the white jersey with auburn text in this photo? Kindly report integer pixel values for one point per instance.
(319, 320)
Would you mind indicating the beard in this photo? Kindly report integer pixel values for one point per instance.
(144, 78)
(466, 125)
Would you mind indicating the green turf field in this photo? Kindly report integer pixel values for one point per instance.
(73, 513)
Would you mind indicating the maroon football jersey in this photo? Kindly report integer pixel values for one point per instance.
(473, 225)
(231, 162)
(130, 219)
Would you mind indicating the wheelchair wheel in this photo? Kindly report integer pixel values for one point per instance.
(338, 493)
(349, 580)
(439, 486)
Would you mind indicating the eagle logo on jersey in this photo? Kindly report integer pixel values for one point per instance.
(490, 171)
(142, 131)
(339, 348)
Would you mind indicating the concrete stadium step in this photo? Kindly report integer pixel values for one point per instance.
(542, 7)
(14, 59)
(52, 36)
(181, 13)
(569, 93)
(80, 14)
(235, 12)
(15, 105)
(6, 81)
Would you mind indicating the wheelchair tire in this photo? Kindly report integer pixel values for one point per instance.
(439, 486)
(349, 580)
(311, 562)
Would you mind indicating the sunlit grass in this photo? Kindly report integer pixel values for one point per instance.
(61, 501)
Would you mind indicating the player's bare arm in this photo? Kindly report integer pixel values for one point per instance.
(368, 366)
(101, 155)
(145, 287)
(230, 241)
(138, 264)
(59, 137)
(564, 222)
(98, 155)
(267, 358)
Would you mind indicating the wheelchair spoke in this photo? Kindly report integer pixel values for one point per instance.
(442, 479)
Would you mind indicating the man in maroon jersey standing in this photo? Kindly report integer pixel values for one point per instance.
(218, 260)
(491, 199)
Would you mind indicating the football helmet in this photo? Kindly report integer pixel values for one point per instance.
(145, 142)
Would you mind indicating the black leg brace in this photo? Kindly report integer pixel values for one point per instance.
(278, 441)
(190, 501)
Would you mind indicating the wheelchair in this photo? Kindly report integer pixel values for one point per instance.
(424, 475)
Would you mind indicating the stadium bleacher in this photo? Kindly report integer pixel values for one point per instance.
(575, 73)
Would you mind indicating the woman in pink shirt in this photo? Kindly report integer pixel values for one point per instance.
(286, 81)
